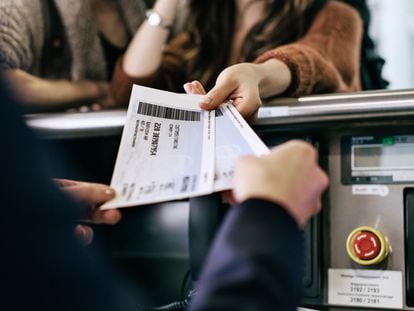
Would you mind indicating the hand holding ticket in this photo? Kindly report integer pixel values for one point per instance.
(171, 149)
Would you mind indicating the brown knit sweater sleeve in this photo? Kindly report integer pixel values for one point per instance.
(169, 76)
(327, 58)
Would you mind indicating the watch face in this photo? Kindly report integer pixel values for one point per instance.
(154, 19)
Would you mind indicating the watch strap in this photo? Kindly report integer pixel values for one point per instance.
(155, 19)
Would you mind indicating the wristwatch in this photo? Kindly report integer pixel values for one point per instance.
(155, 19)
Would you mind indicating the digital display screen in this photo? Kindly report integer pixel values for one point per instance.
(377, 159)
(396, 156)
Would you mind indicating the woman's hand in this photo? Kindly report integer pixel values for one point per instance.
(144, 54)
(53, 94)
(105, 99)
(246, 83)
(239, 83)
(194, 87)
(92, 195)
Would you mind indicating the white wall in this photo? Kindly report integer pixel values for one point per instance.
(392, 27)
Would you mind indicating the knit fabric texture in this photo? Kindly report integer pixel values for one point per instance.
(22, 35)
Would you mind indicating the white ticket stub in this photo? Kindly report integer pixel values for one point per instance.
(365, 288)
(171, 149)
(166, 151)
(234, 138)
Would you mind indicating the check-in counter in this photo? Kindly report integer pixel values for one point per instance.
(316, 108)
(359, 250)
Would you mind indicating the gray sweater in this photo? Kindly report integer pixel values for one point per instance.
(22, 35)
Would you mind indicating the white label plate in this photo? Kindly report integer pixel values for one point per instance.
(380, 190)
(365, 288)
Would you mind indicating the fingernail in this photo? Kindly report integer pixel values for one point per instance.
(80, 230)
(109, 191)
(186, 87)
(112, 216)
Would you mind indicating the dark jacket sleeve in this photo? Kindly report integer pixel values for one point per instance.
(43, 264)
(255, 263)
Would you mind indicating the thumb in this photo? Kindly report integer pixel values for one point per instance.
(218, 94)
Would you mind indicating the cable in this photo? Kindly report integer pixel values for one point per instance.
(174, 306)
(184, 284)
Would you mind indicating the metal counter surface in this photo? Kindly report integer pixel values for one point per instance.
(81, 124)
(316, 108)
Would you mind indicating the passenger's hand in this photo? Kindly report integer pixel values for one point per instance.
(92, 195)
(289, 176)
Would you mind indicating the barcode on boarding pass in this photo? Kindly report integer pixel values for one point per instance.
(168, 113)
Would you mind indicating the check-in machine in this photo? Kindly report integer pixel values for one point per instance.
(359, 250)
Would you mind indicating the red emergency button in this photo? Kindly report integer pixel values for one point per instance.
(367, 246)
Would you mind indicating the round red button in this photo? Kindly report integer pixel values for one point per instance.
(366, 245)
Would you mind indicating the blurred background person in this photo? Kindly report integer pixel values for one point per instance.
(261, 48)
(60, 53)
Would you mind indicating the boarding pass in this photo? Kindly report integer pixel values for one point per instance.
(171, 149)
